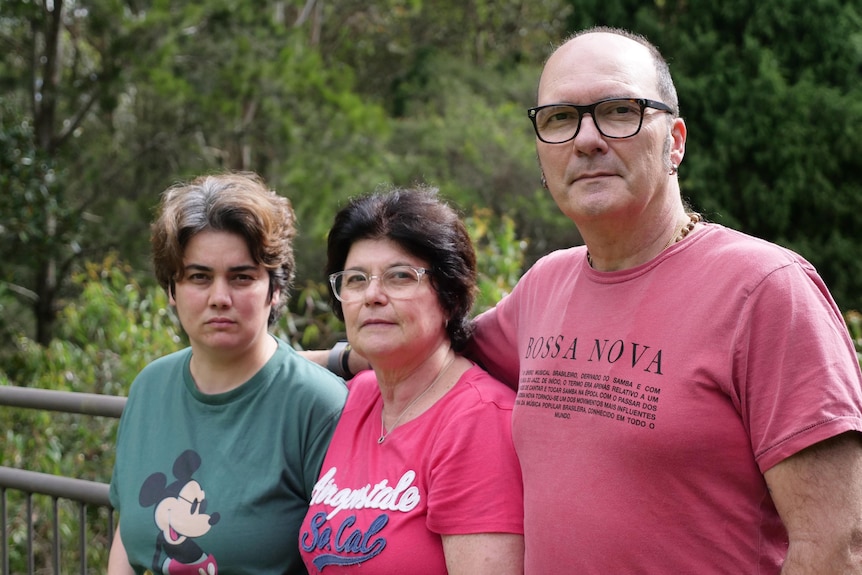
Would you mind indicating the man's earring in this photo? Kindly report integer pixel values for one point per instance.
(544, 181)
(674, 169)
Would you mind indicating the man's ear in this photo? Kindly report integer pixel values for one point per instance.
(678, 133)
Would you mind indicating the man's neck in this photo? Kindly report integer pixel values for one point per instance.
(625, 243)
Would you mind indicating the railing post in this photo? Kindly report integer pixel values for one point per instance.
(31, 558)
(82, 545)
(56, 528)
(32, 483)
(5, 544)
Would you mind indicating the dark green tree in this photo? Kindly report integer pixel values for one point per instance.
(456, 78)
(60, 68)
(119, 99)
(773, 97)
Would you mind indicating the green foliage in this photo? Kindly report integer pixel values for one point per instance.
(70, 527)
(38, 229)
(464, 131)
(499, 254)
(390, 42)
(61, 67)
(310, 323)
(771, 129)
(324, 104)
(231, 85)
(27, 199)
(107, 335)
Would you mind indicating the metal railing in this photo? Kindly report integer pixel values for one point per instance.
(79, 491)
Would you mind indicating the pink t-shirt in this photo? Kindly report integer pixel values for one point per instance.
(382, 508)
(651, 401)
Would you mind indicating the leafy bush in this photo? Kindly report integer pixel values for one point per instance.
(500, 256)
(106, 336)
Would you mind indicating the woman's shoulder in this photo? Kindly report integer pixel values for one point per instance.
(159, 380)
(304, 377)
(486, 388)
(159, 368)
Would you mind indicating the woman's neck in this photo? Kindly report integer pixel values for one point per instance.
(215, 372)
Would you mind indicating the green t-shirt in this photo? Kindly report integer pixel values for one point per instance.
(222, 482)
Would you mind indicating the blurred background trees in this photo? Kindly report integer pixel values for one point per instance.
(105, 103)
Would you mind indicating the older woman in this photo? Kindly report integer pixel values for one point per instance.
(421, 476)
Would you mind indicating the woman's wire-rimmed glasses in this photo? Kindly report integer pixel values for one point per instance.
(398, 282)
(614, 118)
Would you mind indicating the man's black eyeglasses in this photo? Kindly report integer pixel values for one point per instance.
(614, 118)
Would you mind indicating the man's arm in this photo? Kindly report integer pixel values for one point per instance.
(318, 356)
(355, 362)
(818, 494)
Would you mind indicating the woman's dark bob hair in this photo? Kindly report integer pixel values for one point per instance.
(423, 225)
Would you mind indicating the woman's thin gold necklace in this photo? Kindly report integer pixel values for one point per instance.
(383, 432)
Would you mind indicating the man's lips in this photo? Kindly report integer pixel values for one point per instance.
(593, 175)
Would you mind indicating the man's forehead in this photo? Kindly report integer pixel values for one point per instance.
(602, 43)
(603, 64)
